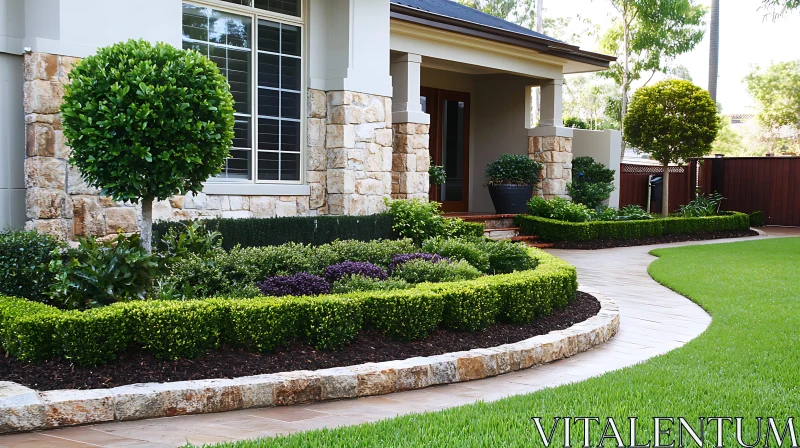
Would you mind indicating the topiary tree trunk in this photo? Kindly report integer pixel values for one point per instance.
(147, 224)
(665, 192)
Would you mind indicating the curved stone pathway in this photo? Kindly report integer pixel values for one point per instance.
(655, 320)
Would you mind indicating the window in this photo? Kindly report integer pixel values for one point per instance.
(262, 60)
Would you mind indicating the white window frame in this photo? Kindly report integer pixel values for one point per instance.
(286, 187)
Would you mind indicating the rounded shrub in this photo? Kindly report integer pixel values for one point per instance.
(347, 268)
(420, 271)
(401, 259)
(300, 284)
(146, 122)
(513, 169)
(24, 264)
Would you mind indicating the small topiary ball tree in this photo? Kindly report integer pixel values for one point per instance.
(672, 120)
(146, 122)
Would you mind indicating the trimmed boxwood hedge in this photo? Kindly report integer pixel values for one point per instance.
(315, 230)
(31, 331)
(554, 230)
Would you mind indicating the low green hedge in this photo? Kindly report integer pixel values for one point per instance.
(315, 230)
(33, 331)
(554, 230)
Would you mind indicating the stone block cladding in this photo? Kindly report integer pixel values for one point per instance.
(555, 155)
(410, 161)
(348, 165)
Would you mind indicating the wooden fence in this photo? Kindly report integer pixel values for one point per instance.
(634, 180)
(767, 184)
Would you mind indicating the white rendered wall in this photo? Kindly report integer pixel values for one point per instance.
(604, 147)
(12, 143)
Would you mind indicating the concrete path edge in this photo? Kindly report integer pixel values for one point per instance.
(24, 409)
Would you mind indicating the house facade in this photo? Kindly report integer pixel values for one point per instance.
(338, 105)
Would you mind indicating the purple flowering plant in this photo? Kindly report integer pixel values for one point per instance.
(401, 259)
(347, 268)
(300, 284)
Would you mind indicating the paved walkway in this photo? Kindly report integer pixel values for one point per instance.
(655, 320)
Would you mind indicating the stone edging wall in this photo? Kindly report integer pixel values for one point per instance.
(24, 409)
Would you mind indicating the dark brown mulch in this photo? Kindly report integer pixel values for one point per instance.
(606, 244)
(370, 346)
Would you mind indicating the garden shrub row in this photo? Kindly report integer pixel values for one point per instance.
(315, 230)
(33, 331)
(554, 230)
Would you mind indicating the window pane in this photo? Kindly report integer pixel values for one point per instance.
(290, 136)
(269, 36)
(290, 105)
(268, 163)
(290, 73)
(268, 70)
(290, 166)
(290, 7)
(290, 40)
(268, 135)
(268, 101)
(226, 40)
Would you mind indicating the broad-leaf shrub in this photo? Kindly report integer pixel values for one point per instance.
(334, 272)
(702, 205)
(300, 284)
(189, 238)
(32, 331)
(419, 220)
(592, 183)
(419, 271)
(100, 273)
(356, 283)
(757, 219)
(513, 169)
(558, 208)
(24, 264)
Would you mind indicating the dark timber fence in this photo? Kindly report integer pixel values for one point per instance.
(767, 184)
(634, 181)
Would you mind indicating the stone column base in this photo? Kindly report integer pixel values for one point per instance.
(555, 155)
(410, 161)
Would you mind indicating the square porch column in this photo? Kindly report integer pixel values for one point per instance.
(411, 127)
(550, 143)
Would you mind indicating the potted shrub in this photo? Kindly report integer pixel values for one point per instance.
(511, 180)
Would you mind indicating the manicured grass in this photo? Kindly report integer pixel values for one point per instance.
(745, 364)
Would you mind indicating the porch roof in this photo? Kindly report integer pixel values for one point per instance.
(452, 16)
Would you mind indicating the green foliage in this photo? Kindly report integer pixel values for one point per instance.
(356, 283)
(437, 174)
(416, 219)
(24, 264)
(592, 183)
(777, 93)
(192, 237)
(421, 271)
(702, 205)
(633, 212)
(458, 228)
(513, 169)
(506, 257)
(672, 120)
(314, 230)
(456, 249)
(757, 219)
(147, 121)
(559, 209)
(779, 7)
(32, 331)
(555, 230)
(575, 122)
(100, 273)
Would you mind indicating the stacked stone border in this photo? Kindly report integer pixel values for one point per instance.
(24, 409)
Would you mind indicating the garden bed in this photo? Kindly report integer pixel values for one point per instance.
(663, 239)
(228, 362)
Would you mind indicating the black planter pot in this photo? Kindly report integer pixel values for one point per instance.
(510, 199)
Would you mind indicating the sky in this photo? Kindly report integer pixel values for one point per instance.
(746, 39)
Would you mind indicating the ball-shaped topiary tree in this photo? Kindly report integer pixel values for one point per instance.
(146, 122)
(672, 120)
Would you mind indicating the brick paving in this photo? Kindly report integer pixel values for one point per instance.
(655, 320)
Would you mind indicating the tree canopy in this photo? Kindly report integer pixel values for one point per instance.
(777, 92)
(147, 122)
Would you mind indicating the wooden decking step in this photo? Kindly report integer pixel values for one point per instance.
(524, 238)
(541, 245)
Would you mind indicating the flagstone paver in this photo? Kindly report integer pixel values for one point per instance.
(655, 320)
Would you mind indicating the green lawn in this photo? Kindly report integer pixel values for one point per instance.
(746, 364)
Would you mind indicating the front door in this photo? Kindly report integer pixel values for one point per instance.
(449, 145)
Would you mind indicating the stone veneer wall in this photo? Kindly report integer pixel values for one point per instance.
(348, 165)
(410, 161)
(555, 154)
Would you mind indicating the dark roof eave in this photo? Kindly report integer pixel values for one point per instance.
(545, 46)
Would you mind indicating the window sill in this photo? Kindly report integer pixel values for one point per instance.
(251, 189)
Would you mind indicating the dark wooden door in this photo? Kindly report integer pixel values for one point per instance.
(449, 145)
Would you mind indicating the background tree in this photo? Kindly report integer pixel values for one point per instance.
(146, 122)
(521, 12)
(646, 36)
(777, 93)
(672, 120)
(585, 97)
(778, 8)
